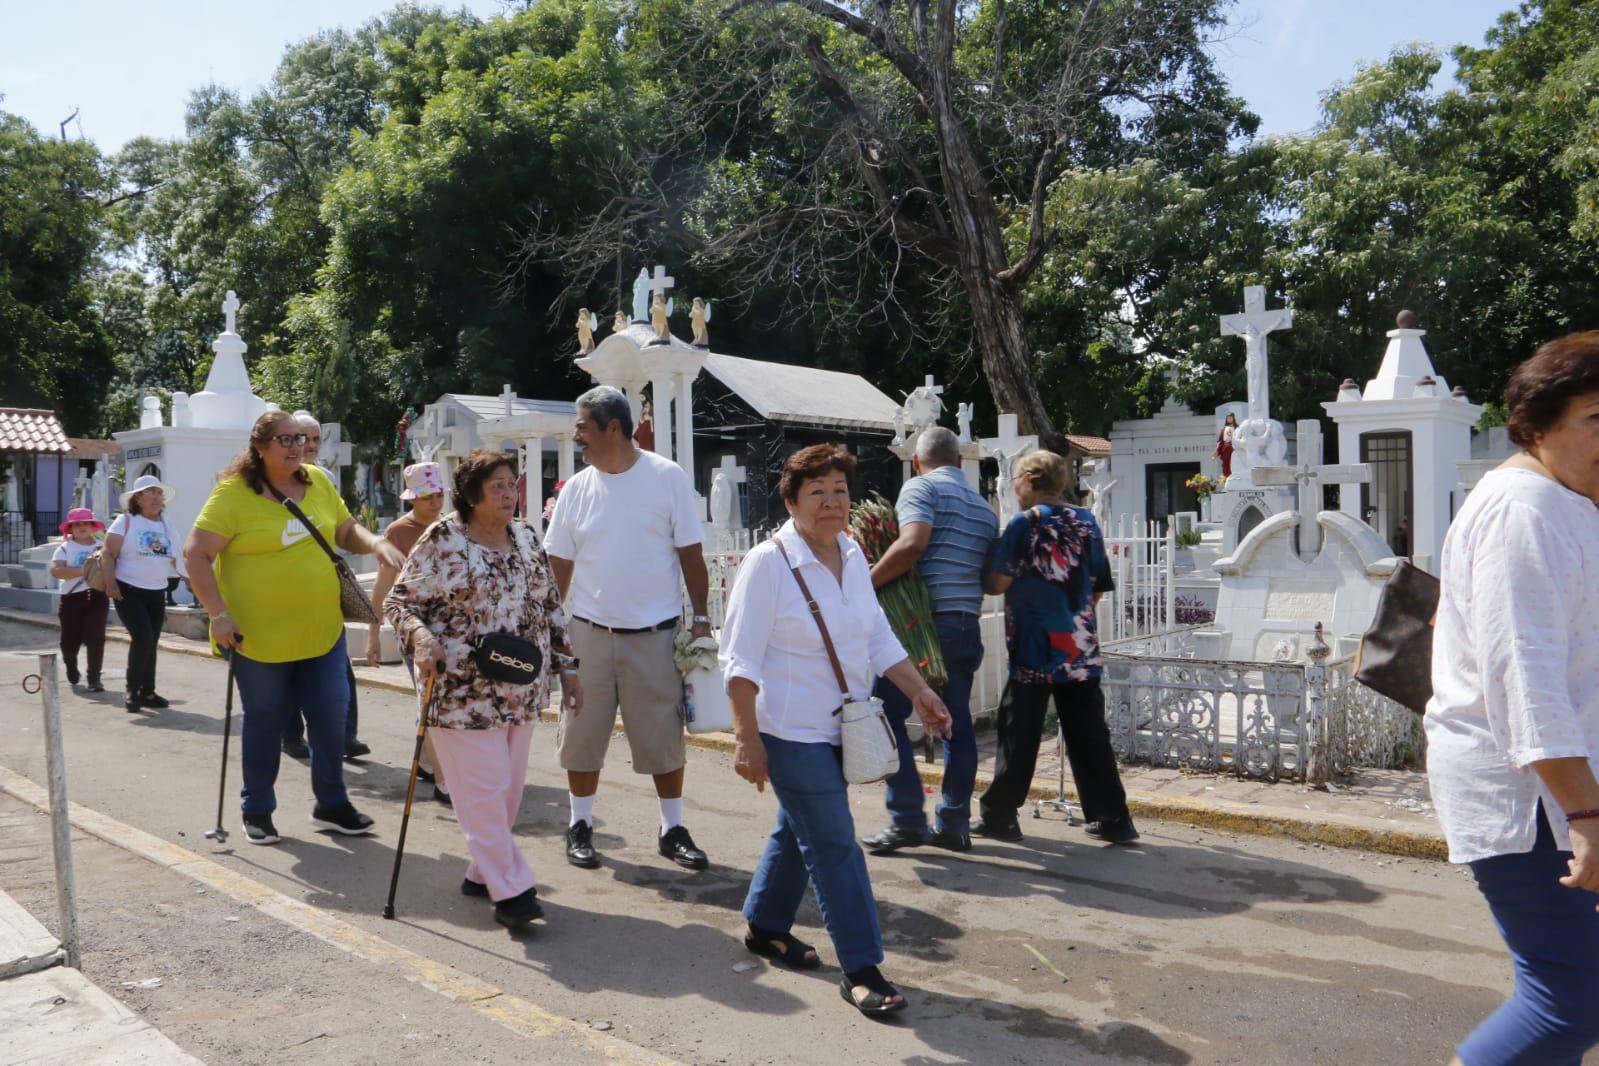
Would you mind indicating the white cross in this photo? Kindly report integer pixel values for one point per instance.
(730, 467)
(1005, 449)
(230, 307)
(660, 281)
(1254, 325)
(1311, 475)
(509, 396)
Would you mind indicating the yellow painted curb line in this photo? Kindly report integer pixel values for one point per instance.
(1330, 829)
(513, 1012)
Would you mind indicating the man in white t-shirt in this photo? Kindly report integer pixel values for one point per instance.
(625, 533)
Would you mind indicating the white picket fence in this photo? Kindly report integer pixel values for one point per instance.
(1144, 602)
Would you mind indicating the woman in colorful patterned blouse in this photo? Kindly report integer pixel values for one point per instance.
(1050, 563)
(476, 572)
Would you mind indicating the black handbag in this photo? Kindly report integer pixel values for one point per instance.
(506, 657)
(1395, 656)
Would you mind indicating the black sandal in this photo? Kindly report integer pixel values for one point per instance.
(791, 954)
(877, 992)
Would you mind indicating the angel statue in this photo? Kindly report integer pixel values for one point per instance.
(660, 308)
(699, 317)
(963, 418)
(619, 324)
(641, 296)
(587, 323)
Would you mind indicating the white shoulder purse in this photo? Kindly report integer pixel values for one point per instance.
(870, 751)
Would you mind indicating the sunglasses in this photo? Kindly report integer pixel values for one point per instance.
(291, 440)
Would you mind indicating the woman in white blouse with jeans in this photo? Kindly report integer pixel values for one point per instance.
(784, 694)
(1513, 726)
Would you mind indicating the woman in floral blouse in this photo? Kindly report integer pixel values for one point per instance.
(475, 572)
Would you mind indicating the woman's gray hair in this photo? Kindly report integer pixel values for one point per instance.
(605, 405)
(939, 445)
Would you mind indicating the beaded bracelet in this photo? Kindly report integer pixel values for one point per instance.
(1577, 816)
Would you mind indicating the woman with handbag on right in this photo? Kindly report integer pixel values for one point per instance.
(259, 572)
(782, 679)
(1513, 724)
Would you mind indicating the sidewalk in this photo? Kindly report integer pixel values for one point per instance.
(52, 1014)
(1375, 810)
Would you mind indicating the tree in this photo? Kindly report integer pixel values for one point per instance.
(53, 349)
(865, 153)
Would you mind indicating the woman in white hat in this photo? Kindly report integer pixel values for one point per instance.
(424, 491)
(140, 557)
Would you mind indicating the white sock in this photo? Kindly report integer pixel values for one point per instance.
(582, 809)
(671, 813)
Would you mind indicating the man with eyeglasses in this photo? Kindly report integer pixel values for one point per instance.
(309, 438)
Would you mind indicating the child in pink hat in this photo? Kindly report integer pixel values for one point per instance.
(82, 609)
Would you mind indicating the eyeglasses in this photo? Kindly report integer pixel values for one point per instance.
(291, 440)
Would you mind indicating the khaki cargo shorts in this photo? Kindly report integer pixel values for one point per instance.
(635, 671)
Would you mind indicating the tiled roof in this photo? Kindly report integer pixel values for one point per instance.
(84, 448)
(31, 431)
(1091, 445)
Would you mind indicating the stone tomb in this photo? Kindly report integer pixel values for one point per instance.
(1271, 599)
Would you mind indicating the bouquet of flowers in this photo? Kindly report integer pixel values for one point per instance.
(905, 600)
(549, 504)
(1201, 486)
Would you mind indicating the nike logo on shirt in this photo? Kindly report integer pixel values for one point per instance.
(294, 532)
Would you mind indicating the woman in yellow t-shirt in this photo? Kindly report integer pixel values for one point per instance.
(261, 575)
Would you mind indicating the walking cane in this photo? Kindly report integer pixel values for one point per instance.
(219, 834)
(410, 792)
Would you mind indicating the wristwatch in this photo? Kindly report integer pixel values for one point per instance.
(697, 619)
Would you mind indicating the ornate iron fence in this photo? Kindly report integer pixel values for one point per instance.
(1367, 728)
(1243, 718)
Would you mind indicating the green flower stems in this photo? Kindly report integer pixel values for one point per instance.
(904, 600)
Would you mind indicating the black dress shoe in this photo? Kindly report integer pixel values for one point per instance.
(94, 685)
(1112, 831)
(132, 703)
(354, 749)
(677, 845)
(472, 888)
(518, 911)
(72, 674)
(155, 700)
(951, 840)
(294, 748)
(893, 838)
(580, 846)
(993, 829)
(441, 796)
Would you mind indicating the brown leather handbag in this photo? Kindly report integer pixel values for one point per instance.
(1395, 656)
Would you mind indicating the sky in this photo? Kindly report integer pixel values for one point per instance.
(128, 67)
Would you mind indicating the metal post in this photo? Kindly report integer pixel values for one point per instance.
(1169, 575)
(60, 825)
(1317, 755)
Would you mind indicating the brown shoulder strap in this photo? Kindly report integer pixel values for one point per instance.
(816, 613)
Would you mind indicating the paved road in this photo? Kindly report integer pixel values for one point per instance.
(1192, 947)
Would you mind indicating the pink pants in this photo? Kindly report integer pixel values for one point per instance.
(486, 769)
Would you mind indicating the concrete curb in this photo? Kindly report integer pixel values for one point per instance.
(1342, 831)
(513, 1012)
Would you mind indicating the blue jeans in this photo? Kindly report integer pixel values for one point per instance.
(1553, 935)
(962, 642)
(294, 728)
(272, 693)
(814, 841)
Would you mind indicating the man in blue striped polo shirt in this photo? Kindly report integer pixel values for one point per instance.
(945, 532)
